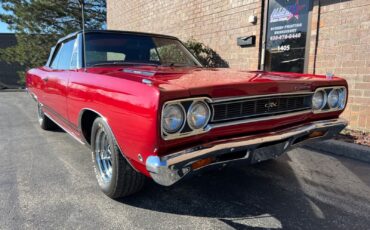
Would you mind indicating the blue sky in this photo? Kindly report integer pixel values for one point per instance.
(3, 26)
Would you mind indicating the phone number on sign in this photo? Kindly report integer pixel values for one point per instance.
(285, 36)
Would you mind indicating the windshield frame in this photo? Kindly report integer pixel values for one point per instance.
(197, 63)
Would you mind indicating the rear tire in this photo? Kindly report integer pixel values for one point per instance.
(44, 122)
(115, 175)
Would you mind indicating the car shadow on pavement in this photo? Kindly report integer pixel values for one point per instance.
(263, 196)
(58, 130)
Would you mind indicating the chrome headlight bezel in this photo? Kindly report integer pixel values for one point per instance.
(181, 126)
(341, 103)
(342, 98)
(333, 104)
(324, 99)
(207, 118)
(186, 129)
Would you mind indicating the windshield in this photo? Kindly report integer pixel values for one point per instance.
(116, 49)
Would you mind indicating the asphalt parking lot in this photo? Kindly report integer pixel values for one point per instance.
(47, 182)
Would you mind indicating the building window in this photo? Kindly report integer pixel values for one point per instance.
(286, 35)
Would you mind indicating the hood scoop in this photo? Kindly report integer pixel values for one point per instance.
(140, 72)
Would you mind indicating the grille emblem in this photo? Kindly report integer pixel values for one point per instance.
(271, 105)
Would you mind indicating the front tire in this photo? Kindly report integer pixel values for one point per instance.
(44, 122)
(115, 176)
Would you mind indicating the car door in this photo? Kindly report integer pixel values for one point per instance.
(57, 80)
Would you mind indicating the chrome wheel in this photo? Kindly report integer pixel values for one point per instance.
(40, 114)
(44, 122)
(103, 155)
(115, 175)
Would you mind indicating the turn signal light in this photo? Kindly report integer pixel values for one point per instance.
(201, 163)
(316, 134)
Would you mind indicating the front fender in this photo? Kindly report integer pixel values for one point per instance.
(130, 108)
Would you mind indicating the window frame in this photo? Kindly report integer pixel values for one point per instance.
(264, 28)
(51, 55)
(152, 36)
(76, 49)
(57, 49)
(73, 49)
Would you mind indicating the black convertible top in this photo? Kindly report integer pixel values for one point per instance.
(116, 32)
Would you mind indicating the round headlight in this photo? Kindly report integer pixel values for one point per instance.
(342, 98)
(173, 118)
(319, 100)
(198, 115)
(333, 98)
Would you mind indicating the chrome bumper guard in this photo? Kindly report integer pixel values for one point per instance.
(169, 169)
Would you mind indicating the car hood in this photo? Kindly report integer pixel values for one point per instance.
(224, 82)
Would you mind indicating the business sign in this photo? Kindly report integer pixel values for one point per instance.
(287, 25)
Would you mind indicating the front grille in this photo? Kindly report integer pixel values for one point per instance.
(260, 107)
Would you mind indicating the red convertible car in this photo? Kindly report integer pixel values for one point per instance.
(147, 108)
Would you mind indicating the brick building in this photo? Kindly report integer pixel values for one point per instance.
(8, 72)
(309, 36)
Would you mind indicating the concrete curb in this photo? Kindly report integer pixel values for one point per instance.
(11, 90)
(340, 148)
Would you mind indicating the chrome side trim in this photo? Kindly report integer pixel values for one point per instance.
(65, 129)
(80, 119)
(169, 169)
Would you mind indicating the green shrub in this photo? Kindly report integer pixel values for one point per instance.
(207, 56)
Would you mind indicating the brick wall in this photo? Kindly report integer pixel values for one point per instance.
(342, 28)
(216, 23)
(344, 48)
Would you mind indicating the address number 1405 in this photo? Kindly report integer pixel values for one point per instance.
(284, 48)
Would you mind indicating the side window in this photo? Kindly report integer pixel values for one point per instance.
(54, 62)
(66, 55)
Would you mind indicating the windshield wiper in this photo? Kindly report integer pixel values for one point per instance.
(124, 63)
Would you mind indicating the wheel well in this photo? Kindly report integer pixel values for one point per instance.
(87, 119)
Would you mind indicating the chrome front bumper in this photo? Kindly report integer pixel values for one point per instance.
(169, 169)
